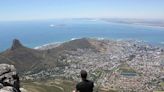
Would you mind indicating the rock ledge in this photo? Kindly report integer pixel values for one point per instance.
(9, 79)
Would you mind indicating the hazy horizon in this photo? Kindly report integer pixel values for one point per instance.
(20, 10)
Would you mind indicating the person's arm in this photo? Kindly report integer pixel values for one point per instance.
(92, 85)
(75, 90)
(77, 87)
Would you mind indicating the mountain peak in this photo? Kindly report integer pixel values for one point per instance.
(16, 44)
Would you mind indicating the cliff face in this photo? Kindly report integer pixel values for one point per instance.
(16, 44)
(9, 79)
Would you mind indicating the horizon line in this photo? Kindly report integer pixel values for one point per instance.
(24, 20)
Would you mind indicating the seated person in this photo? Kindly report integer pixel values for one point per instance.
(85, 85)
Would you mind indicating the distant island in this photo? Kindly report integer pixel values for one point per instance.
(58, 25)
(146, 22)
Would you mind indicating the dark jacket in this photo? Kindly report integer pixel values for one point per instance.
(85, 86)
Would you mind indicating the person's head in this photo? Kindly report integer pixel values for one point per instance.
(83, 74)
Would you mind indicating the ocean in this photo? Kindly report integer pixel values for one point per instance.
(36, 33)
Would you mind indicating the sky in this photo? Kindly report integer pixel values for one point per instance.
(14, 10)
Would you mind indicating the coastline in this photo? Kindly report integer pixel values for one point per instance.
(48, 46)
(51, 45)
(56, 44)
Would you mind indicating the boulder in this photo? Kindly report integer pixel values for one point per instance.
(9, 79)
(8, 89)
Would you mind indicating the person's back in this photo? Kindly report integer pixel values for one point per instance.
(85, 85)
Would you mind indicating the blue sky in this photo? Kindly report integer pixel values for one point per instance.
(51, 9)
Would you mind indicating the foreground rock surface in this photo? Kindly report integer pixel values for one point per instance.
(9, 80)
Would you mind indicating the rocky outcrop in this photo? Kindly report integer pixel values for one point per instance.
(9, 79)
(16, 44)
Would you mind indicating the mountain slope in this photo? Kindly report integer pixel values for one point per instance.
(74, 45)
(71, 46)
(22, 57)
(26, 59)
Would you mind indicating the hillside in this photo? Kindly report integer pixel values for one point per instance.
(26, 59)
(73, 45)
(22, 57)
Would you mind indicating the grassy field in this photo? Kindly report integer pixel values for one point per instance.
(124, 68)
(162, 84)
(52, 86)
(48, 86)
